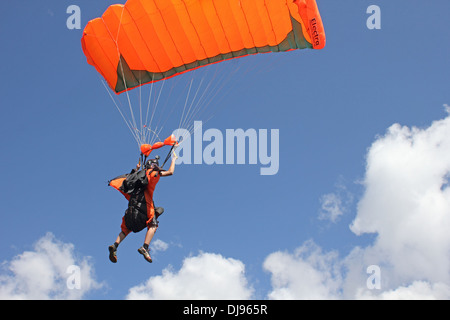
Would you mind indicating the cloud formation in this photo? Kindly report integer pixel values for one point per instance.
(406, 204)
(308, 273)
(50, 271)
(206, 276)
(335, 204)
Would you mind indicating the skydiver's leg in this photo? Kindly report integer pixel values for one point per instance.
(113, 248)
(149, 236)
(120, 238)
(123, 234)
(144, 250)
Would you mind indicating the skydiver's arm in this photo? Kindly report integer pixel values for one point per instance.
(138, 166)
(172, 167)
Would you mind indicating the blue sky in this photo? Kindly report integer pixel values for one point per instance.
(335, 109)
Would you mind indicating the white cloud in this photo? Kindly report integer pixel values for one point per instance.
(306, 274)
(206, 276)
(45, 273)
(159, 246)
(331, 207)
(334, 205)
(418, 290)
(406, 204)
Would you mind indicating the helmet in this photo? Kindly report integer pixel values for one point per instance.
(152, 163)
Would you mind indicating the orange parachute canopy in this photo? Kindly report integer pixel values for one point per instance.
(145, 41)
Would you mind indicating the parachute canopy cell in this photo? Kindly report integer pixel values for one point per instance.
(145, 41)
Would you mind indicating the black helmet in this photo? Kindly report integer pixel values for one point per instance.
(152, 163)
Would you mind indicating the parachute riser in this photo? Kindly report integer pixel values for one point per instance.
(142, 161)
(168, 155)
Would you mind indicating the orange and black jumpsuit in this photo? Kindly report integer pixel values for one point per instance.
(141, 210)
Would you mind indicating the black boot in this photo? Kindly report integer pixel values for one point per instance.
(112, 253)
(145, 252)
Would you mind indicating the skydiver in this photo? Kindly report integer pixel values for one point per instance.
(141, 211)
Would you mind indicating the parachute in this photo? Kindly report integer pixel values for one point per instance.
(147, 41)
(151, 40)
